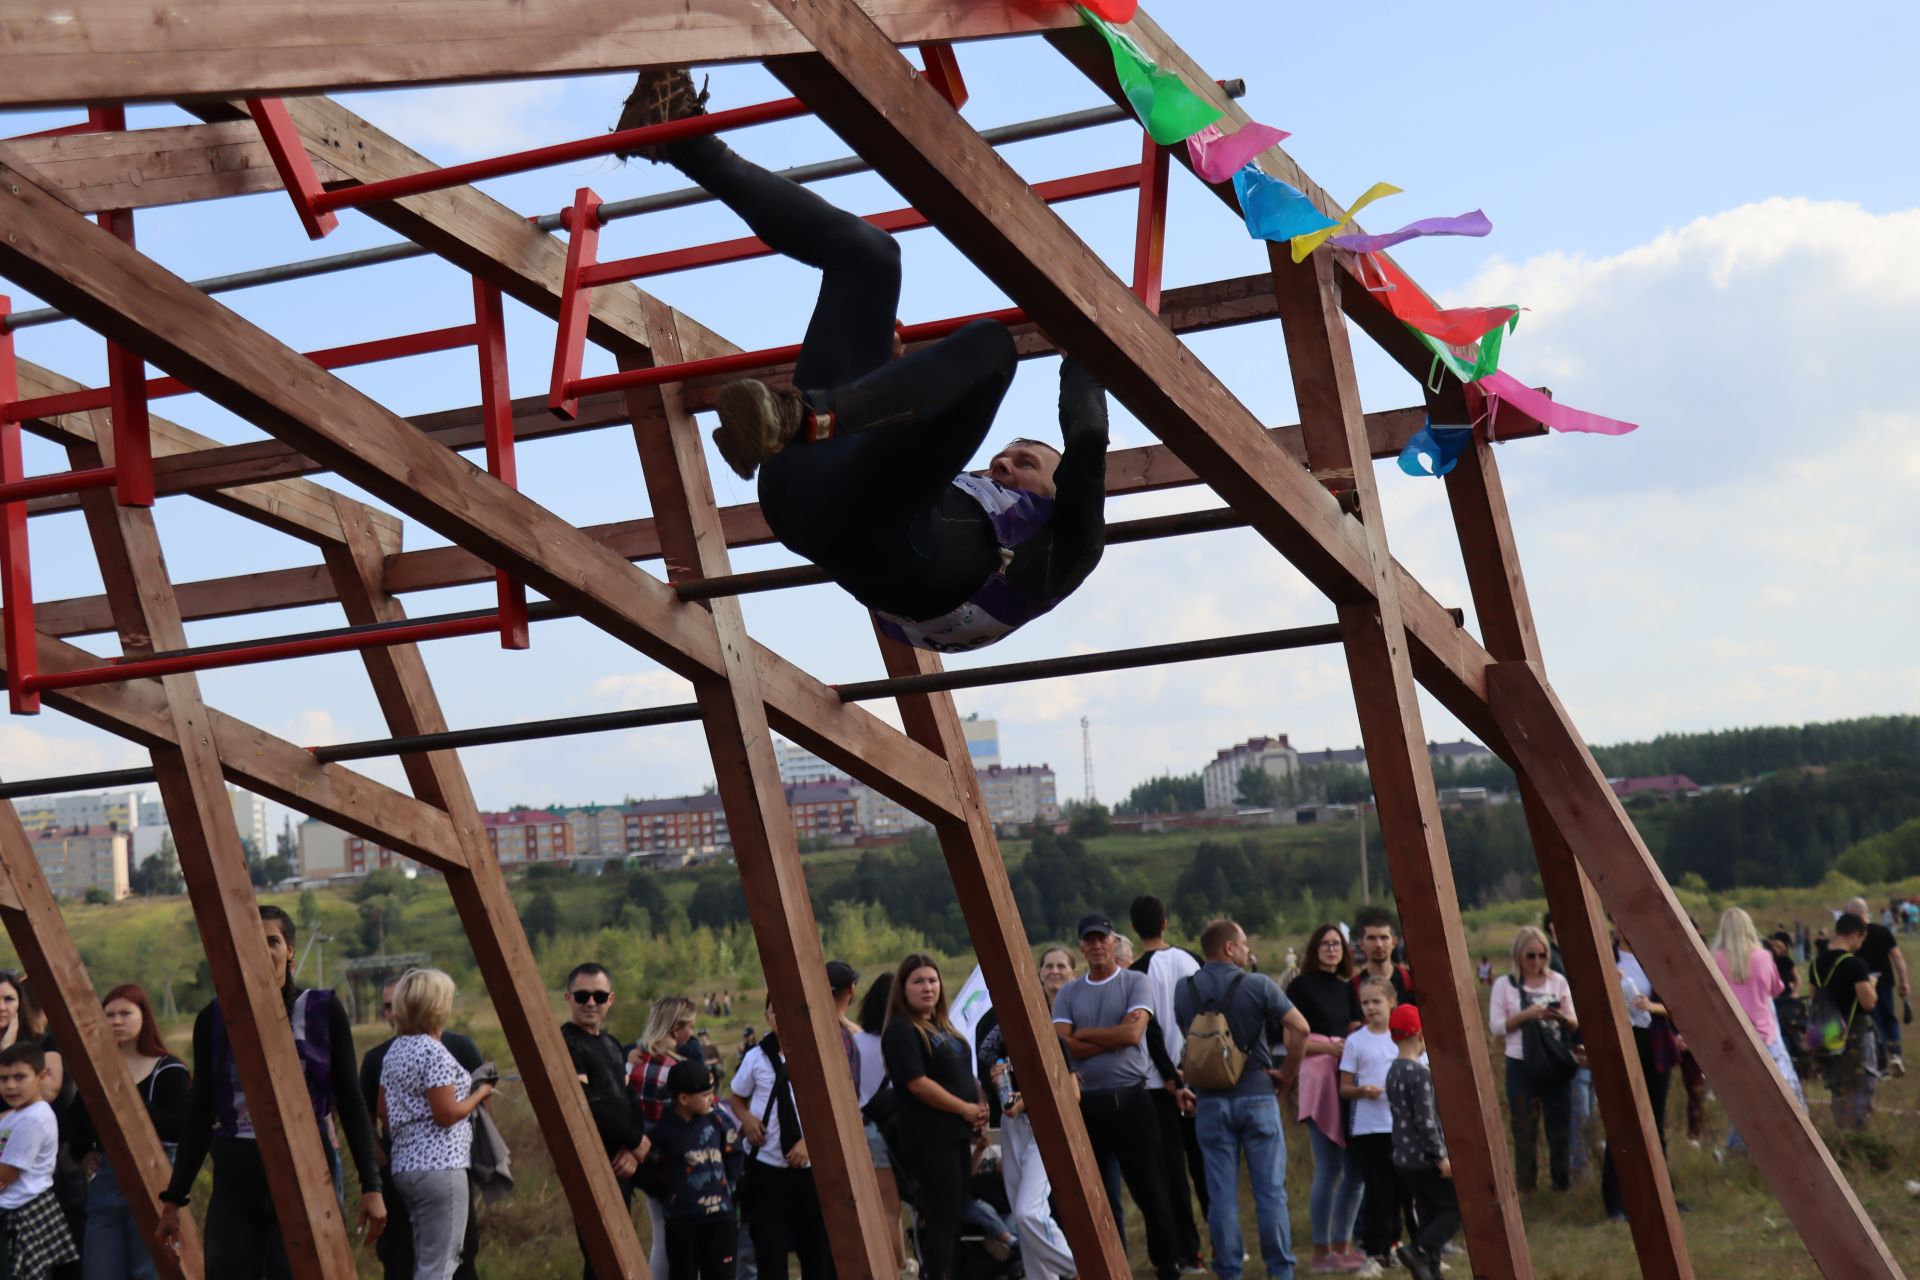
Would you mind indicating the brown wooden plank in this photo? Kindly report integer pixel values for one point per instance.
(1796, 1163)
(149, 168)
(88, 1052)
(225, 910)
(1328, 395)
(90, 273)
(733, 714)
(1506, 621)
(479, 890)
(297, 507)
(1006, 962)
(113, 50)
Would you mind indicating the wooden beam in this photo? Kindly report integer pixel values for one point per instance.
(480, 893)
(1005, 952)
(733, 713)
(225, 910)
(1796, 1163)
(1327, 392)
(149, 168)
(296, 507)
(113, 50)
(1506, 621)
(88, 1052)
(91, 274)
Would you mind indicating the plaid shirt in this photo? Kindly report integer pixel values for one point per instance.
(649, 1083)
(36, 1238)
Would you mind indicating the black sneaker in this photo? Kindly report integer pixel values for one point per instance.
(1417, 1266)
(660, 96)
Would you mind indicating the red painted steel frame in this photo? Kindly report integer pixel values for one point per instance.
(496, 411)
(943, 73)
(582, 224)
(1150, 232)
(290, 157)
(16, 579)
(127, 372)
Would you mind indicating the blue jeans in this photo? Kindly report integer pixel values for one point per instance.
(1336, 1197)
(1227, 1126)
(1581, 1111)
(114, 1248)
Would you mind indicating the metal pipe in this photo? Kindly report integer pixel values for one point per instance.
(59, 482)
(75, 782)
(685, 197)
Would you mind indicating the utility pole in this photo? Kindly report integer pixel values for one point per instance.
(1086, 751)
(1366, 885)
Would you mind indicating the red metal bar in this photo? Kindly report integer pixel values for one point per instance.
(943, 72)
(126, 371)
(65, 130)
(604, 144)
(354, 353)
(1080, 186)
(271, 651)
(61, 482)
(496, 412)
(16, 577)
(744, 360)
(295, 166)
(1150, 232)
(582, 224)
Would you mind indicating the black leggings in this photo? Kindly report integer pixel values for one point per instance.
(1380, 1205)
(1658, 1083)
(941, 1167)
(783, 1216)
(242, 1236)
(701, 1248)
(1121, 1124)
(865, 504)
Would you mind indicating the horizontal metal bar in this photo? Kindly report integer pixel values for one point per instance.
(59, 482)
(539, 612)
(76, 782)
(493, 735)
(685, 197)
(601, 144)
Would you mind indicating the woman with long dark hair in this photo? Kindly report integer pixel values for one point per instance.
(939, 1101)
(115, 1248)
(1323, 992)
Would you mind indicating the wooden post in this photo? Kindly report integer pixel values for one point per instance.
(52, 961)
(734, 714)
(1506, 623)
(479, 890)
(1328, 396)
(1007, 962)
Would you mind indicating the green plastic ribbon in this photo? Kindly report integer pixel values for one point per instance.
(1170, 110)
(1485, 361)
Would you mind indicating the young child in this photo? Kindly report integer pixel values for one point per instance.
(1364, 1061)
(692, 1168)
(33, 1231)
(1420, 1149)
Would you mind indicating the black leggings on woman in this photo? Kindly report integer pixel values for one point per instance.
(941, 1167)
(869, 504)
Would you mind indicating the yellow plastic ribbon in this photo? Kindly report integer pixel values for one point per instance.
(1306, 244)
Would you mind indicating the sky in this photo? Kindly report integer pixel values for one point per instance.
(1703, 210)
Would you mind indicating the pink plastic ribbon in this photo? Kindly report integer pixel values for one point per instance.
(1560, 417)
(1218, 156)
(1466, 224)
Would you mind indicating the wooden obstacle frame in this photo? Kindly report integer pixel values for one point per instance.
(252, 73)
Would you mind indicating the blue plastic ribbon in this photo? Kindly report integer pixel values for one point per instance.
(1275, 210)
(1435, 450)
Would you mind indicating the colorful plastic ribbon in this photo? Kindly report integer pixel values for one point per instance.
(1435, 450)
(1218, 156)
(1273, 209)
(1560, 417)
(1466, 224)
(1113, 10)
(1470, 365)
(1306, 244)
(1456, 326)
(1170, 110)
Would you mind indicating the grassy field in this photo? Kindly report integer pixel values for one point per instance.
(1734, 1225)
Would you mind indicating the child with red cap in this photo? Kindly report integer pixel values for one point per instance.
(1419, 1148)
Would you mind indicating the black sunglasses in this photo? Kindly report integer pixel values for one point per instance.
(598, 997)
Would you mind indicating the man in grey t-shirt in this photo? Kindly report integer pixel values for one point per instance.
(1102, 1017)
(1246, 1118)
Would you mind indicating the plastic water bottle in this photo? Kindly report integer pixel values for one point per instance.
(1006, 1084)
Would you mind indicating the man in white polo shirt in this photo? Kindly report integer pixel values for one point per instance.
(1102, 1017)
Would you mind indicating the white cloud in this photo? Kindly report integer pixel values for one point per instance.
(29, 753)
(634, 689)
(467, 120)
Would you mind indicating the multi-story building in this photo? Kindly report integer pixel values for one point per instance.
(827, 810)
(1015, 796)
(1461, 752)
(528, 835)
(119, 809)
(598, 831)
(323, 850)
(983, 741)
(799, 766)
(677, 824)
(77, 859)
(1220, 779)
(249, 815)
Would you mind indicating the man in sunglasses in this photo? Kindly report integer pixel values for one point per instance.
(601, 1065)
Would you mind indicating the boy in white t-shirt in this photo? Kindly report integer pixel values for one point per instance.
(1364, 1060)
(33, 1231)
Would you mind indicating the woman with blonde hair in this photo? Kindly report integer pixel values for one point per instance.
(1533, 992)
(1749, 969)
(427, 1101)
(669, 1027)
(939, 1107)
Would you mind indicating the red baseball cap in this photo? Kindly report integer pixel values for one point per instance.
(1405, 1022)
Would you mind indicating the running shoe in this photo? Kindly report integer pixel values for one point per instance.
(756, 422)
(658, 96)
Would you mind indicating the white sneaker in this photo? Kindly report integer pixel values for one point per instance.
(1371, 1268)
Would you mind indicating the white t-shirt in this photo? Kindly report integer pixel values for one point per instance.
(873, 1067)
(413, 1065)
(1167, 968)
(29, 1139)
(754, 1082)
(1367, 1055)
